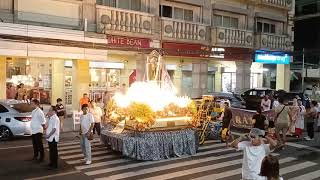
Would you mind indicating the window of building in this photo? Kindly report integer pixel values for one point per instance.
(166, 11)
(226, 21)
(176, 13)
(135, 5)
(266, 28)
(188, 15)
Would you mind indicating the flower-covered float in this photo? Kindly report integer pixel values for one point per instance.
(149, 121)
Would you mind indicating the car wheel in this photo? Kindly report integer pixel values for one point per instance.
(5, 133)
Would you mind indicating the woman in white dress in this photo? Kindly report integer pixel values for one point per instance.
(300, 119)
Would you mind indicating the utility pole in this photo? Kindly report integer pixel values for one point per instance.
(302, 73)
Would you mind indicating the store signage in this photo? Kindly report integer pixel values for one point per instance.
(186, 50)
(217, 52)
(272, 57)
(129, 41)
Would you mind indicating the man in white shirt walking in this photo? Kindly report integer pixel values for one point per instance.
(266, 103)
(96, 111)
(85, 132)
(53, 133)
(37, 125)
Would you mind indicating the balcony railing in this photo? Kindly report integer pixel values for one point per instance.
(278, 3)
(183, 30)
(231, 37)
(117, 20)
(273, 42)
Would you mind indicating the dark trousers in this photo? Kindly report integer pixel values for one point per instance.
(310, 129)
(97, 127)
(37, 146)
(53, 151)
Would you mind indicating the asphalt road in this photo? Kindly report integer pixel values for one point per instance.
(213, 161)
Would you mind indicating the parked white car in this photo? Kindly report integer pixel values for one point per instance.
(15, 119)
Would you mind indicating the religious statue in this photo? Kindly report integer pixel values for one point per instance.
(153, 66)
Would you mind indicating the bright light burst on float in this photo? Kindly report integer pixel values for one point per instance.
(151, 94)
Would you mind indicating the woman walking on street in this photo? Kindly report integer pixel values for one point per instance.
(300, 120)
(282, 119)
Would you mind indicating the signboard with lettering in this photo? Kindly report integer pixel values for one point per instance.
(187, 50)
(76, 118)
(272, 57)
(129, 41)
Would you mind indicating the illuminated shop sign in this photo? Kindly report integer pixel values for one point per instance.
(217, 53)
(272, 57)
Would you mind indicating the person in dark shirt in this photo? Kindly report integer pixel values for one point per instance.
(259, 119)
(227, 116)
(60, 112)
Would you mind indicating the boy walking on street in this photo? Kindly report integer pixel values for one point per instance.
(253, 152)
(53, 133)
(85, 132)
(38, 122)
(60, 112)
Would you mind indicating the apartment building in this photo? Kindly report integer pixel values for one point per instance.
(63, 48)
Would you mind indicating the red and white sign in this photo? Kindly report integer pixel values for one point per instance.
(132, 77)
(129, 41)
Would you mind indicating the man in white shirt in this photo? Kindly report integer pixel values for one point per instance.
(86, 126)
(266, 103)
(253, 152)
(52, 136)
(96, 111)
(38, 122)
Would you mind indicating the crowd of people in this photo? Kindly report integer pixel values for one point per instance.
(90, 124)
(268, 134)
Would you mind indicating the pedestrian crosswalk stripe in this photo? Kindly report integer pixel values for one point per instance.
(208, 146)
(309, 176)
(61, 144)
(166, 167)
(211, 156)
(106, 163)
(77, 146)
(238, 171)
(79, 150)
(81, 155)
(296, 167)
(78, 161)
(203, 169)
(154, 162)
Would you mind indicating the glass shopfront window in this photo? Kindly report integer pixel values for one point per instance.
(104, 76)
(34, 73)
(228, 82)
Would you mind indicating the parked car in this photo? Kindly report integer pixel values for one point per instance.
(252, 97)
(235, 99)
(15, 120)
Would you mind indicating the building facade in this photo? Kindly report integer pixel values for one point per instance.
(307, 43)
(69, 47)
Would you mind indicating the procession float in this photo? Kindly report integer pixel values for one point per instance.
(149, 121)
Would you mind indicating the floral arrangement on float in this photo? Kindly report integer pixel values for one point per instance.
(147, 106)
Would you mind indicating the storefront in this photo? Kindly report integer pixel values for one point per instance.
(104, 76)
(275, 68)
(34, 73)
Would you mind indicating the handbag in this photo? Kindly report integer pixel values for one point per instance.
(90, 137)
